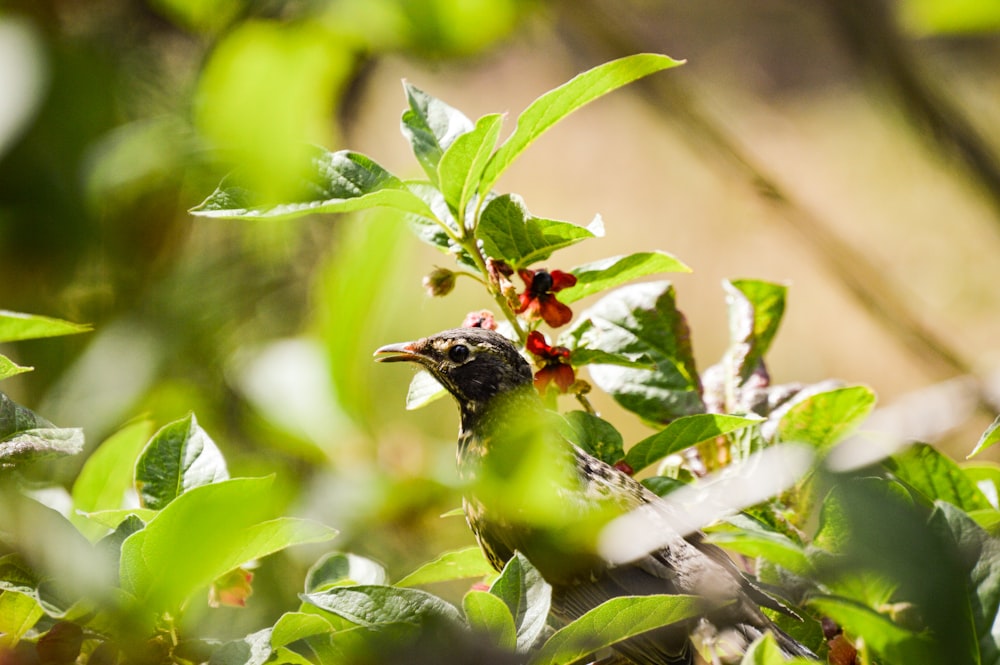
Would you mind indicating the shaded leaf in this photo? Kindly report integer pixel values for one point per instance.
(488, 614)
(432, 127)
(937, 477)
(377, 605)
(891, 641)
(989, 437)
(594, 435)
(527, 596)
(825, 418)
(254, 649)
(642, 320)
(556, 104)
(617, 270)
(15, 326)
(509, 232)
(343, 569)
(683, 433)
(463, 162)
(179, 457)
(341, 181)
(456, 565)
(613, 621)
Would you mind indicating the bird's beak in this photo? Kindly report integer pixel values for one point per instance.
(400, 352)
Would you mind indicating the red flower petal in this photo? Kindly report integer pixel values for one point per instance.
(562, 280)
(536, 344)
(554, 312)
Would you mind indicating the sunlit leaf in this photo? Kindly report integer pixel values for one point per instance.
(9, 368)
(613, 621)
(594, 435)
(825, 418)
(179, 457)
(617, 270)
(642, 320)
(989, 437)
(937, 477)
(343, 569)
(378, 605)
(766, 651)
(431, 127)
(527, 596)
(463, 162)
(110, 519)
(510, 233)
(556, 104)
(754, 539)
(489, 615)
(18, 613)
(682, 433)
(423, 390)
(294, 626)
(15, 326)
(456, 565)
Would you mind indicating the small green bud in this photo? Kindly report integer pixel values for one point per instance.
(440, 282)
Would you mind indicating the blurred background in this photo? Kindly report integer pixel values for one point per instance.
(849, 150)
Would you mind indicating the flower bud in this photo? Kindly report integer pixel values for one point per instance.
(439, 282)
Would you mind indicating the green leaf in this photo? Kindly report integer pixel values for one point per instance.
(825, 418)
(642, 320)
(527, 596)
(889, 640)
(509, 232)
(18, 613)
(431, 127)
(107, 475)
(110, 519)
(683, 433)
(463, 162)
(489, 615)
(203, 534)
(556, 104)
(613, 621)
(179, 457)
(293, 626)
(583, 356)
(766, 651)
(254, 649)
(755, 312)
(377, 605)
(456, 565)
(343, 569)
(341, 181)
(989, 437)
(26, 437)
(753, 538)
(614, 271)
(9, 368)
(15, 326)
(937, 477)
(423, 390)
(594, 435)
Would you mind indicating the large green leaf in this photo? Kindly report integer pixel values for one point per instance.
(556, 104)
(613, 621)
(682, 433)
(293, 626)
(937, 477)
(594, 435)
(489, 615)
(463, 162)
(617, 270)
(889, 640)
(203, 534)
(378, 605)
(527, 596)
(456, 565)
(989, 438)
(509, 232)
(179, 457)
(15, 326)
(431, 127)
(26, 437)
(825, 418)
(338, 182)
(107, 475)
(343, 569)
(642, 320)
(753, 538)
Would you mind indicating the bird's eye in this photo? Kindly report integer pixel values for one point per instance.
(458, 353)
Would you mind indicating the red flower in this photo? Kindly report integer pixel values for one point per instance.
(231, 589)
(554, 361)
(539, 300)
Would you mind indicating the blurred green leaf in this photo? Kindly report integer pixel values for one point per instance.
(110, 519)
(431, 127)
(937, 477)
(825, 418)
(343, 569)
(378, 605)
(423, 390)
(18, 614)
(840, 506)
(683, 433)
(26, 437)
(200, 15)
(203, 534)
(890, 641)
(755, 312)
(556, 104)
(986, 476)
(179, 457)
(765, 651)
(254, 649)
(455, 565)
(642, 320)
(9, 368)
(753, 538)
(463, 162)
(613, 621)
(989, 437)
(341, 181)
(594, 435)
(955, 17)
(527, 596)
(489, 615)
(293, 626)
(15, 326)
(614, 271)
(509, 232)
(108, 474)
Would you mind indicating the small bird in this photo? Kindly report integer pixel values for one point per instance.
(504, 426)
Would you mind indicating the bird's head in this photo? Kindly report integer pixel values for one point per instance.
(473, 364)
